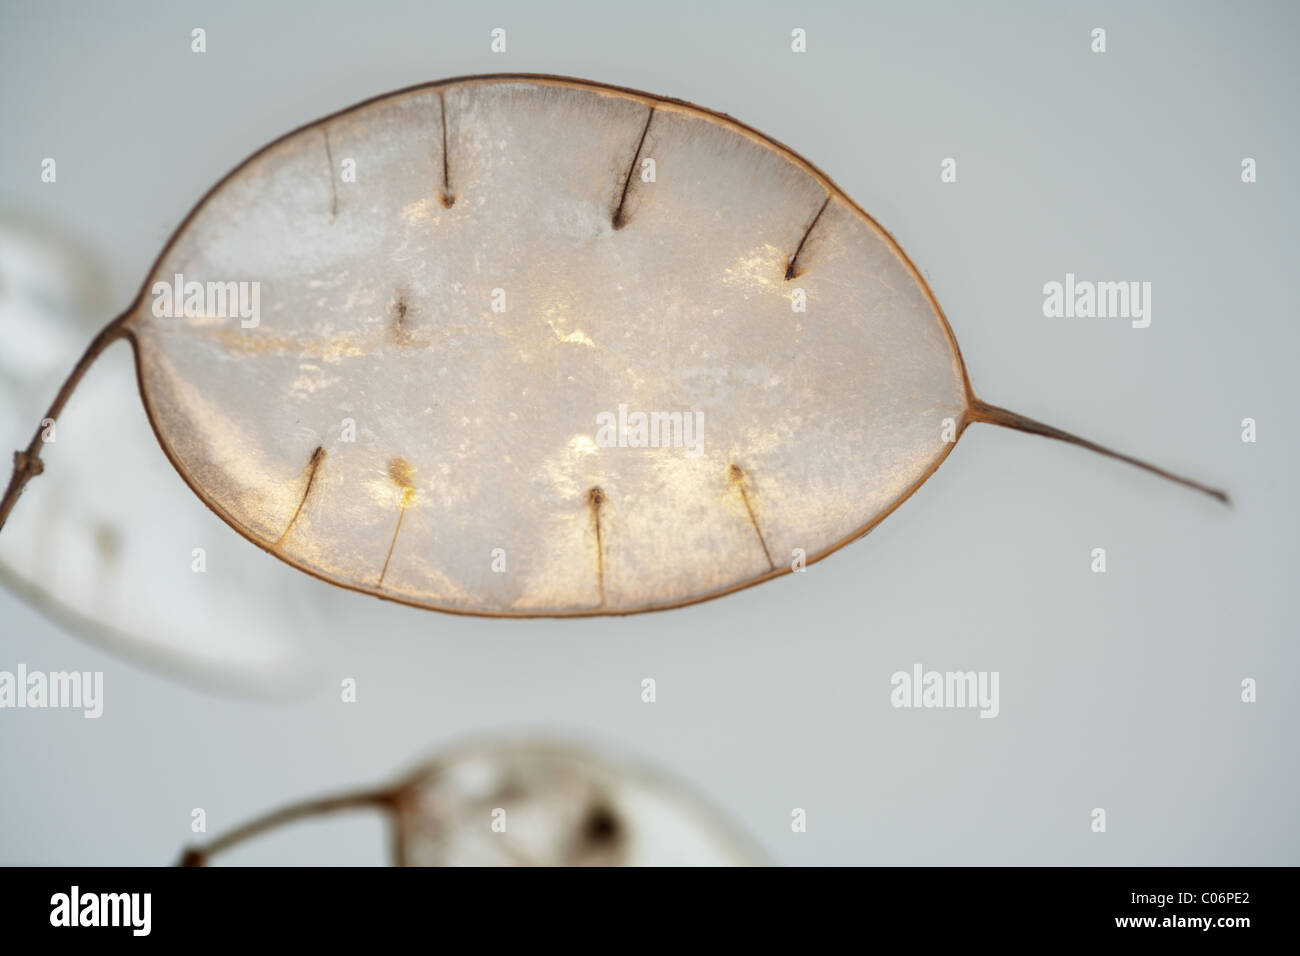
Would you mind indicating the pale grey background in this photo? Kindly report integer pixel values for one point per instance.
(1120, 691)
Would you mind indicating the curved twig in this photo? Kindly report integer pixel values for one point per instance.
(27, 462)
(385, 799)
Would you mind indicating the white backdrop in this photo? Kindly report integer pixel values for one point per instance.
(1120, 691)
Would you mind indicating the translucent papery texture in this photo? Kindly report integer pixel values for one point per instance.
(444, 336)
(542, 804)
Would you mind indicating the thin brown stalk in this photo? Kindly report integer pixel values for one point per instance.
(369, 799)
(983, 412)
(27, 462)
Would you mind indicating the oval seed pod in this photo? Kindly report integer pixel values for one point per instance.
(506, 802)
(525, 345)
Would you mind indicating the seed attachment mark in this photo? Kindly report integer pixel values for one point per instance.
(400, 472)
(738, 479)
(619, 220)
(448, 199)
(313, 466)
(596, 498)
(792, 270)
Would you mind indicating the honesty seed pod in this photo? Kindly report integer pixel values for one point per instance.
(507, 802)
(526, 345)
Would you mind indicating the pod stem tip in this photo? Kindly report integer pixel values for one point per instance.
(981, 411)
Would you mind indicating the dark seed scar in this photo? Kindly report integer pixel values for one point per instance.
(401, 312)
(400, 471)
(738, 479)
(791, 271)
(448, 200)
(595, 498)
(619, 221)
(312, 467)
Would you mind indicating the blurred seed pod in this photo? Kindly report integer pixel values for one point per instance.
(529, 803)
(108, 546)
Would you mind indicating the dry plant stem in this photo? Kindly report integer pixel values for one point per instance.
(371, 799)
(27, 463)
(983, 412)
